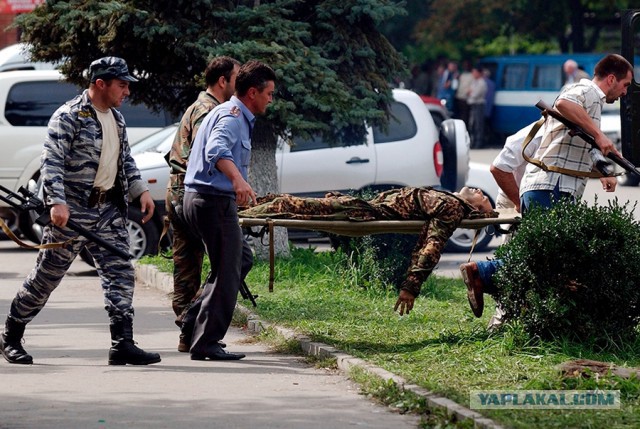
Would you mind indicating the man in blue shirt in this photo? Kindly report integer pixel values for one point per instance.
(215, 185)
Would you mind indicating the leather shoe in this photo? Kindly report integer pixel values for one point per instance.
(471, 277)
(184, 345)
(217, 353)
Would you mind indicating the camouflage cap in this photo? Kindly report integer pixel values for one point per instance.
(110, 68)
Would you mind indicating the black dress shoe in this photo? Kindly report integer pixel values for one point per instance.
(218, 353)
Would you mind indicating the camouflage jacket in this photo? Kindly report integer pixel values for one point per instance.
(181, 149)
(71, 155)
(442, 212)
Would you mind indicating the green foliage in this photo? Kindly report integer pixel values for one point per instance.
(463, 29)
(440, 346)
(381, 260)
(573, 271)
(333, 64)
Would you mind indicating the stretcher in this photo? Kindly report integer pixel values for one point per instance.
(362, 228)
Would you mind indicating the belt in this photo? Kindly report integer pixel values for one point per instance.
(99, 196)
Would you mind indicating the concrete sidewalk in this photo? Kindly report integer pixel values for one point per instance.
(71, 386)
(148, 275)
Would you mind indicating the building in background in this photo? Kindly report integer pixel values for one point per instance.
(9, 9)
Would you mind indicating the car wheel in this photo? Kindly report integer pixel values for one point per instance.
(28, 225)
(462, 240)
(143, 237)
(628, 180)
(10, 217)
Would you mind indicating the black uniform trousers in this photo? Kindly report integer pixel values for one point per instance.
(214, 218)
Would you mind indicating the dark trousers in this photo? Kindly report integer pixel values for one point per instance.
(188, 253)
(215, 220)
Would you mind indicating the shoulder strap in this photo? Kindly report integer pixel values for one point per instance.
(546, 167)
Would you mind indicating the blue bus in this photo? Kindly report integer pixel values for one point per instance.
(522, 80)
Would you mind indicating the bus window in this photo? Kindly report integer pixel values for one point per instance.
(515, 76)
(547, 76)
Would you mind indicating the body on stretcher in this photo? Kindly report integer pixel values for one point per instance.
(359, 229)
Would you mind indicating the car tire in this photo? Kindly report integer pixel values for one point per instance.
(462, 240)
(28, 226)
(143, 237)
(628, 180)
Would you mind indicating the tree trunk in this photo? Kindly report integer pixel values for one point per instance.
(263, 178)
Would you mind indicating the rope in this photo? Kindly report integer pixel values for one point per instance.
(24, 245)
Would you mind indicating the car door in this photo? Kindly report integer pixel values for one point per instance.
(314, 167)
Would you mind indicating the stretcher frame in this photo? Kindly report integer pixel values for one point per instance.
(362, 228)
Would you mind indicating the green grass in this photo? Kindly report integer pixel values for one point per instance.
(440, 346)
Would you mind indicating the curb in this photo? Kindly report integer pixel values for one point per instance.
(149, 276)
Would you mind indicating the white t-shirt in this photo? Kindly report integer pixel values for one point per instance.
(510, 159)
(108, 167)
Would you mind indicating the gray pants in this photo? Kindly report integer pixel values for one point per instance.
(116, 274)
(215, 220)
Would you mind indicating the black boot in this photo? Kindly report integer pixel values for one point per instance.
(11, 343)
(123, 350)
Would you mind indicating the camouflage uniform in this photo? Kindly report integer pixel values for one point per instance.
(69, 163)
(442, 211)
(188, 251)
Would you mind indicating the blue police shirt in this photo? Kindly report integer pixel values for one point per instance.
(225, 133)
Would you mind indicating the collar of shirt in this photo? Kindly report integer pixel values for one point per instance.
(589, 82)
(251, 118)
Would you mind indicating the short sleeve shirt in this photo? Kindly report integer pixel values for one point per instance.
(560, 149)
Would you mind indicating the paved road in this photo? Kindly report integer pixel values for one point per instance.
(71, 386)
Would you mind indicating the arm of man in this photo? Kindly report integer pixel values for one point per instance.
(579, 116)
(507, 182)
(244, 192)
(426, 255)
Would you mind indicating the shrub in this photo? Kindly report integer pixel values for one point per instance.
(573, 271)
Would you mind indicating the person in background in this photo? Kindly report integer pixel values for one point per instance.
(188, 252)
(464, 86)
(475, 100)
(88, 174)
(215, 185)
(448, 85)
(489, 101)
(572, 73)
(582, 104)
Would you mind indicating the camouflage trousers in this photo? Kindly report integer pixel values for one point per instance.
(116, 274)
(188, 255)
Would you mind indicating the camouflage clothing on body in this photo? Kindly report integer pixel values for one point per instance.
(69, 164)
(442, 212)
(181, 148)
(188, 252)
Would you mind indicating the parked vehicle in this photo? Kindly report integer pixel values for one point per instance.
(523, 80)
(411, 153)
(15, 57)
(27, 101)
